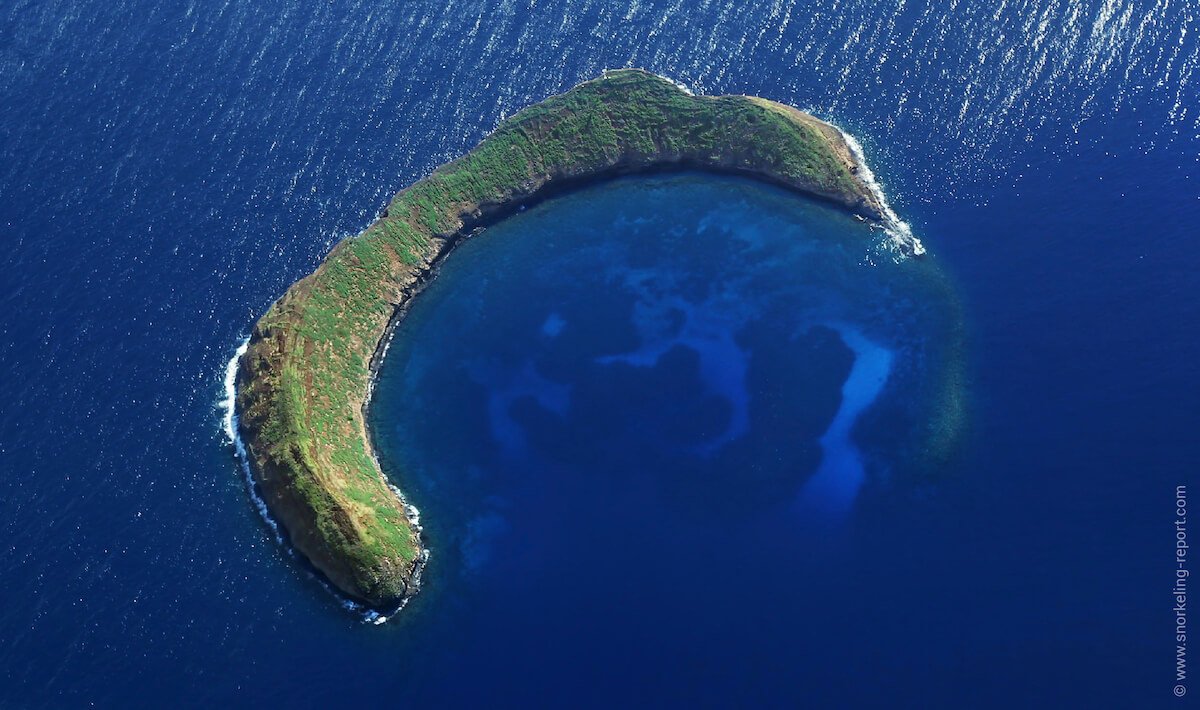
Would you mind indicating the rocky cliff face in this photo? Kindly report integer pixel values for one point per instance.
(305, 378)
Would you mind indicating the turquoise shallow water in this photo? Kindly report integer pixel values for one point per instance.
(167, 170)
(642, 394)
(706, 323)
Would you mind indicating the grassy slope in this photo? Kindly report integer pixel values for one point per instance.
(303, 381)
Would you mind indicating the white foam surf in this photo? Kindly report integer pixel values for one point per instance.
(678, 84)
(681, 86)
(898, 230)
(229, 418)
(229, 424)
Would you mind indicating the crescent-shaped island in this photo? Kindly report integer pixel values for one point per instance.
(306, 376)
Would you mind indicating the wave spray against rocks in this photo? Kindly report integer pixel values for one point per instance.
(901, 234)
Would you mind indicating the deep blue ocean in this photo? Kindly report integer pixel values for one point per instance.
(167, 170)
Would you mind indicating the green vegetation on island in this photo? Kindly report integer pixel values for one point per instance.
(306, 375)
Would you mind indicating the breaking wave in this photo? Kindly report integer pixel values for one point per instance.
(901, 233)
(229, 424)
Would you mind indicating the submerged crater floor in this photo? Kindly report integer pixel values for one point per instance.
(304, 381)
(687, 365)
